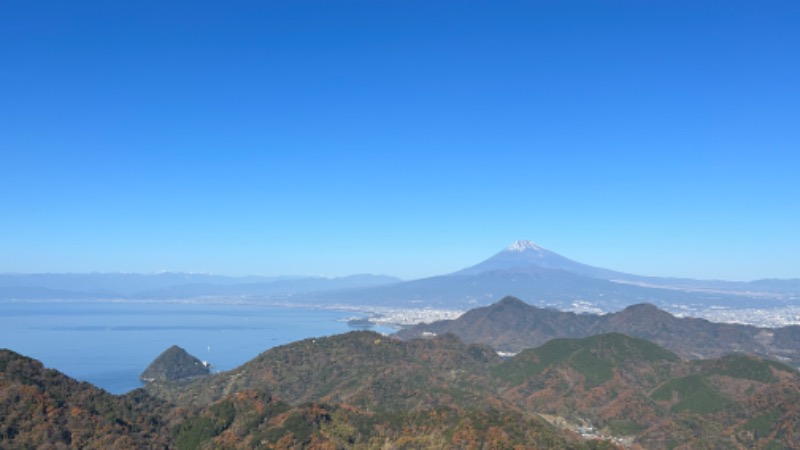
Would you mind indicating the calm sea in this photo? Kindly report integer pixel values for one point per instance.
(109, 344)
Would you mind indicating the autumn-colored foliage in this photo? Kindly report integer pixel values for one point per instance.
(362, 390)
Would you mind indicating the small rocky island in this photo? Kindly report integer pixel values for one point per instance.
(174, 364)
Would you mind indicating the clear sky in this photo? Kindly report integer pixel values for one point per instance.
(409, 138)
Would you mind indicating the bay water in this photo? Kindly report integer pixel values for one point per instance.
(110, 343)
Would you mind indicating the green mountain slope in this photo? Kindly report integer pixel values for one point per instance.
(362, 368)
(364, 390)
(512, 325)
(629, 386)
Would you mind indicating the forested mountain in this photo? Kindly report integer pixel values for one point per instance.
(42, 408)
(512, 325)
(174, 363)
(625, 387)
(364, 390)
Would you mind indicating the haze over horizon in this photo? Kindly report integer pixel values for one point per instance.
(401, 138)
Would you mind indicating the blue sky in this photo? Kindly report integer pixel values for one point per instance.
(401, 137)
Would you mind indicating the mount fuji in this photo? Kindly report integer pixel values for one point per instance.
(525, 255)
(523, 269)
(522, 256)
(545, 278)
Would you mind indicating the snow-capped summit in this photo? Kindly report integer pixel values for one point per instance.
(524, 255)
(523, 245)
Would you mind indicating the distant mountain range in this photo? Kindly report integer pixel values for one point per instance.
(526, 270)
(523, 269)
(512, 325)
(170, 285)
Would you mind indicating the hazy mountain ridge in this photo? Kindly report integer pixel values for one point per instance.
(523, 269)
(512, 325)
(93, 286)
(527, 270)
(550, 287)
